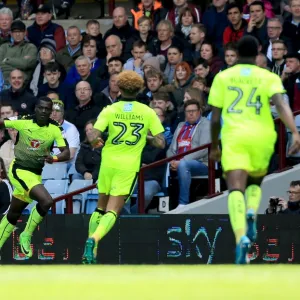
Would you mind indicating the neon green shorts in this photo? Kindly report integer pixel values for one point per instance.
(23, 181)
(251, 153)
(116, 182)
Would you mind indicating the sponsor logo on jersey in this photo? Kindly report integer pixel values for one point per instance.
(35, 144)
(127, 107)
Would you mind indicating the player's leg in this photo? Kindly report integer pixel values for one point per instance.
(9, 221)
(45, 201)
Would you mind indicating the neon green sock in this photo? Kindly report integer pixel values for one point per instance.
(5, 230)
(253, 196)
(105, 225)
(237, 213)
(34, 220)
(93, 224)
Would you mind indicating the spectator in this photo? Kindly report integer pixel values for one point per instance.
(43, 28)
(52, 77)
(152, 9)
(153, 62)
(261, 61)
(215, 21)
(86, 109)
(290, 207)
(52, 95)
(67, 56)
(174, 14)
(186, 21)
(168, 135)
(93, 29)
(70, 132)
(291, 26)
(18, 54)
(89, 158)
(174, 57)
(209, 52)
(231, 55)
(192, 133)
(237, 24)
(268, 9)
(6, 18)
(5, 189)
(290, 75)
(274, 28)
(113, 47)
(122, 29)
(7, 111)
(199, 83)
(7, 149)
(197, 37)
(202, 70)
(112, 91)
(135, 63)
(17, 95)
(279, 50)
(115, 65)
(257, 25)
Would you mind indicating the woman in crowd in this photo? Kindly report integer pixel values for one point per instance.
(186, 20)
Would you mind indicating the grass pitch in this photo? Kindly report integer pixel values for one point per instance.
(149, 282)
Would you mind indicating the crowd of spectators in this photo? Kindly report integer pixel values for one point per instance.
(177, 49)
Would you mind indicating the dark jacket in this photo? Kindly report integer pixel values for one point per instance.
(289, 85)
(124, 33)
(79, 116)
(88, 160)
(65, 59)
(22, 101)
(232, 35)
(4, 197)
(51, 31)
(292, 32)
(151, 38)
(101, 100)
(260, 33)
(44, 89)
(100, 45)
(215, 65)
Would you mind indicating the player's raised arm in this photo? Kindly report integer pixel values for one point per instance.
(157, 141)
(287, 118)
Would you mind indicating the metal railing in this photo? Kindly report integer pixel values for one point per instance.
(211, 171)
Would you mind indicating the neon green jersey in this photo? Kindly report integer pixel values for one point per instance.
(243, 93)
(34, 142)
(128, 124)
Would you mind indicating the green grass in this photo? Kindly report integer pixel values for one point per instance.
(149, 282)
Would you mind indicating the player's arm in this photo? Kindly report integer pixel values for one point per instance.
(64, 154)
(287, 118)
(157, 141)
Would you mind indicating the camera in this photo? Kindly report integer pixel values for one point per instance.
(274, 202)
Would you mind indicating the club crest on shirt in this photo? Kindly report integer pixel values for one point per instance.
(127, 107)
(245, 71)
(35, 144)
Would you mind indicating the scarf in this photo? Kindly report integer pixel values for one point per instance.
(186, 30)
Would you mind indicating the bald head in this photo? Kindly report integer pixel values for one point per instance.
(113, 46)
(119, 17)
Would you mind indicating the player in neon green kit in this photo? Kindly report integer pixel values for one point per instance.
(242, 95)
(128, 123)
(36, 135)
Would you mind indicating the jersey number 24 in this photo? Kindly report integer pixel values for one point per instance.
(257, 104)
(136, 128)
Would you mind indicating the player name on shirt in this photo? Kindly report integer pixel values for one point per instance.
(129, 116)
(245, 80)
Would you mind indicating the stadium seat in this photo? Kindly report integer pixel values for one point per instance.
(56, 171)
(57, 188)
(91, 201)
(79, 200)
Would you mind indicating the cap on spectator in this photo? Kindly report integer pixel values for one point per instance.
(248, 46)
(58, 105)
(44, 8)
(18, 25)
(49, 44)
(293, 55)
(154, 61)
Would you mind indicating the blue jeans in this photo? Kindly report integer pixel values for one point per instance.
(186, 169)
(152, 187)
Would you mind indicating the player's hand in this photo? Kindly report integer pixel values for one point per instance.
(295, 148)
(215, 154)
(87, 176)
(48, 159)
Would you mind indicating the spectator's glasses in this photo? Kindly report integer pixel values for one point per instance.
(278, 49)
(45, 50)
(273, 28)
(191, 111)
(83, 90)
(292, 193)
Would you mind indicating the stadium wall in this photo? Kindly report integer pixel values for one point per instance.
(274, 185)
(157, 239)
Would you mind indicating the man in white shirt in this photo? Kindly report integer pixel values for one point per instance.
(70, 132)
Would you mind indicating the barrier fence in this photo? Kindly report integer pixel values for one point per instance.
(211, 171)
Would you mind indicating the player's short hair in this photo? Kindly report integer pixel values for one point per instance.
(52, 66)
(234, 5)
(192, 102)
(295, 183)
(45, 99)
(247, 46)
(130, 83)
(161, 95)
(184, 11)
(116, 58)
(231, 46)
(139, 44)
(92, 22)
(258, 2)
(200, 27)
(143, 19)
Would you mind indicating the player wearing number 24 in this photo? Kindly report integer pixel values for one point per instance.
(242, 95)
